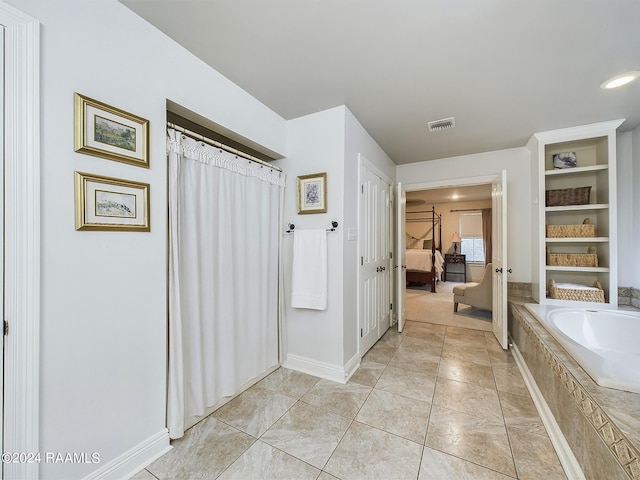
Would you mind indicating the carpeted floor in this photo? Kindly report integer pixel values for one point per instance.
(424, 306)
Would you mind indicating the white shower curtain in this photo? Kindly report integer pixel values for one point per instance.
(225, 225)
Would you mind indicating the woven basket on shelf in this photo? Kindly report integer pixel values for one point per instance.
(577, 295)
(587, 229)
(589, 259)
(567, 196)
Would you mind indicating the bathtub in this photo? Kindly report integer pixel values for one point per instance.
(606, 343)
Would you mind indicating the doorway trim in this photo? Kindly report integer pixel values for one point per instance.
(456, 182)
(22, 239)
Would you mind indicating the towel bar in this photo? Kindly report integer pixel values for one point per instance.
(334, 225)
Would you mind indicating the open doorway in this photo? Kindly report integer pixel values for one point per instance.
(462, 238)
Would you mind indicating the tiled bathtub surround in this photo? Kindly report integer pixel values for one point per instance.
(629, 296)
(519, 289)
(601, 425)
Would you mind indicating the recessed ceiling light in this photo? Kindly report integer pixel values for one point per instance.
(455, 196)
(620, 80)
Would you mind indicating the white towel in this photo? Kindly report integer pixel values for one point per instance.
(309, 271)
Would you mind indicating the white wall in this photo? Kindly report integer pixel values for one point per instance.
(103, 322)
(315, 145)
(325, 342)
(626, 212)
(634, 253)
(517, 163)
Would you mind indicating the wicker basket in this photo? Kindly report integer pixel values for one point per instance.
(577, 294)
(587, 229)
(567, 196)
(589, 259)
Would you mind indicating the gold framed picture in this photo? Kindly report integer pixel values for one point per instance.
(105, 131)
(312, 193)
(106, 203)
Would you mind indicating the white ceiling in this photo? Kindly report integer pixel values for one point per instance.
(503, 68)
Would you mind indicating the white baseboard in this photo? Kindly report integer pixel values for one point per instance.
(352, 365)
(134, 460)
(335, 373)
(568, 460)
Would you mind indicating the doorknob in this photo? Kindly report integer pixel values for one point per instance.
(498, 270)
(510, 271)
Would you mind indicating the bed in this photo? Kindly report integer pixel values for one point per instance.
(425, 265)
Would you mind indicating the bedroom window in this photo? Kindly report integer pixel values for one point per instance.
(471, 234)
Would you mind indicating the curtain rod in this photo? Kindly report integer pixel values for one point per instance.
(467, 210)
(217, 144)
(423, 211)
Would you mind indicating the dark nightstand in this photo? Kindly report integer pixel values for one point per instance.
(455, 265)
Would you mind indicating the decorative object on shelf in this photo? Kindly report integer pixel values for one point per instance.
(105, 203)
(105, 131)
(455, 239)
(576, 292)
(587, 229)
(567, 196)
(312, 193)
(589, 259)
(565, 160)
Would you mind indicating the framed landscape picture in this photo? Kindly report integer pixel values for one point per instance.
(105, 203)
(312, 193)
(108, 132)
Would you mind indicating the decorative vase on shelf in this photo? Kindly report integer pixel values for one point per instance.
(565, 160)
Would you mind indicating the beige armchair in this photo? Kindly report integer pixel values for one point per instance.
(477, 295)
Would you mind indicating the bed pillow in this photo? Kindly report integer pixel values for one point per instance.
(413, 244)
(426, 244)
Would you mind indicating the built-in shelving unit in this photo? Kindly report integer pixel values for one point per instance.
(595, 148)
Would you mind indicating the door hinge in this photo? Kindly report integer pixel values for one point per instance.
(361, 332)
(391, 306)
(390, 254)
(362, 188)
(361, 260)
(5, 328)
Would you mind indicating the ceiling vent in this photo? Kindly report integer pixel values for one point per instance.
(443, 124)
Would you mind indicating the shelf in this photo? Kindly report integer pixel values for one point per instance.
(552, 268)
(571, 171)
(577, 208)
(594, 147)
(577, 240)
(553, 301)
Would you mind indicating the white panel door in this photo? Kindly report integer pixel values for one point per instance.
(369, 261)
(499, 257)
(401, 255)
(374, 309)
(384, 233)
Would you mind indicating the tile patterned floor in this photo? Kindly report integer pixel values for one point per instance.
(435, 402)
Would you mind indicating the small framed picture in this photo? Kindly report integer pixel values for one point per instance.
(312, 193)
(105, 203)
(108, 132)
